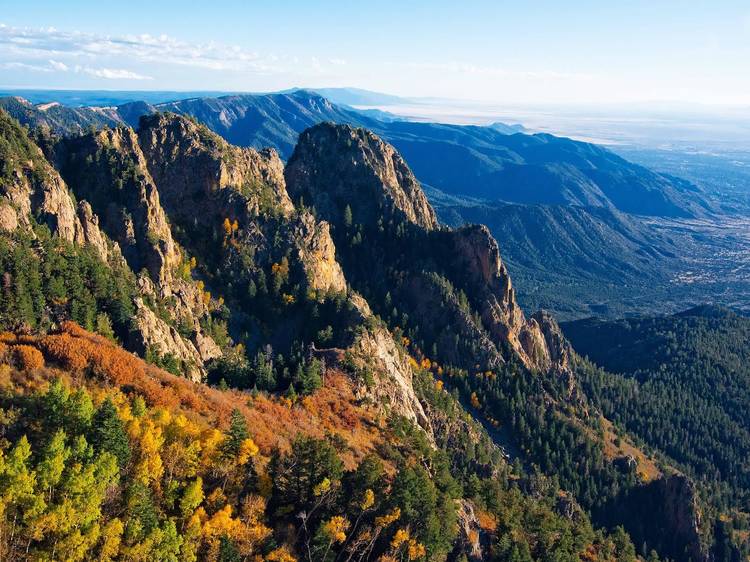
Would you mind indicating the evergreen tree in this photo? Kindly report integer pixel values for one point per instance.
(228, 551)
(265, 378)
(311, 379)
(236, 434)
(108, 433)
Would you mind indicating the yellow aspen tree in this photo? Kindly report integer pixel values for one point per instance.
(149, 467)
(111, 537)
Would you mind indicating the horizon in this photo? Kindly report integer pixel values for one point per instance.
(670, 106)
(484, 52)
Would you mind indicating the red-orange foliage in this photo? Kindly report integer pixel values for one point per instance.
(28, 358)
(273, 421)
(7, 337)
(486, 520)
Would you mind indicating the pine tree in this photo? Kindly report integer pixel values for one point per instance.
(236, 434)
(311, 379)
(138, 407)
(291, 393)
(265, 379)
(108, 433)
(228, 551)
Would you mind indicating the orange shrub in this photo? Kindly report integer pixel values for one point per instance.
(28, 358)
(486, 520)
(7, 337)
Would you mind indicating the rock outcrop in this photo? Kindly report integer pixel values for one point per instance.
(665, 514)
(108, 170)
(110, 174)
(8, 217)
(337, 165)
(92, 234)
(33, 190)
(317, 253)
(196, 169)
(478, 256)
(153, 333)
(376, 351)
(352, 177)
(470, 533)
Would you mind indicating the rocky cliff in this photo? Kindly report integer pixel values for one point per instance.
(32, 189)
(339, 165)
(355, 180)
(665, 514)
(108, 170)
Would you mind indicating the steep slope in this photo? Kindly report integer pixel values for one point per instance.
(701, 354)
(679, 383)
(108, 169)
(450, 294)
(361, 184)
(146, 465)
(31, 188)
(247, 279)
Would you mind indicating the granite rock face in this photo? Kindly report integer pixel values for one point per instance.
(352, 176)
(339, 165)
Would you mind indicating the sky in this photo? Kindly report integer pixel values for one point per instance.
(522, 51)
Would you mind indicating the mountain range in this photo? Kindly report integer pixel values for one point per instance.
(492, 162)
(212, 352)
(589, 202)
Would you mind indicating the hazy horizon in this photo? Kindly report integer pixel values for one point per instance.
(545, 53)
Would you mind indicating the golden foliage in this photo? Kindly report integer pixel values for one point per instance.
(248, 449)
(401, 536)
(368, 501)
(322, 487)
(416, 550)
(388, 518)
(336, 528)
(281, 554)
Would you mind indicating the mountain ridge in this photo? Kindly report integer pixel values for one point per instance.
(490, 159)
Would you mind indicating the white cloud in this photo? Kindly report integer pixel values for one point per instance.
(57, 65)
(74, 46)
(113, 73)
(15, 65)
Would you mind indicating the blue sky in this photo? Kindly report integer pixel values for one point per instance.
(532, 51)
